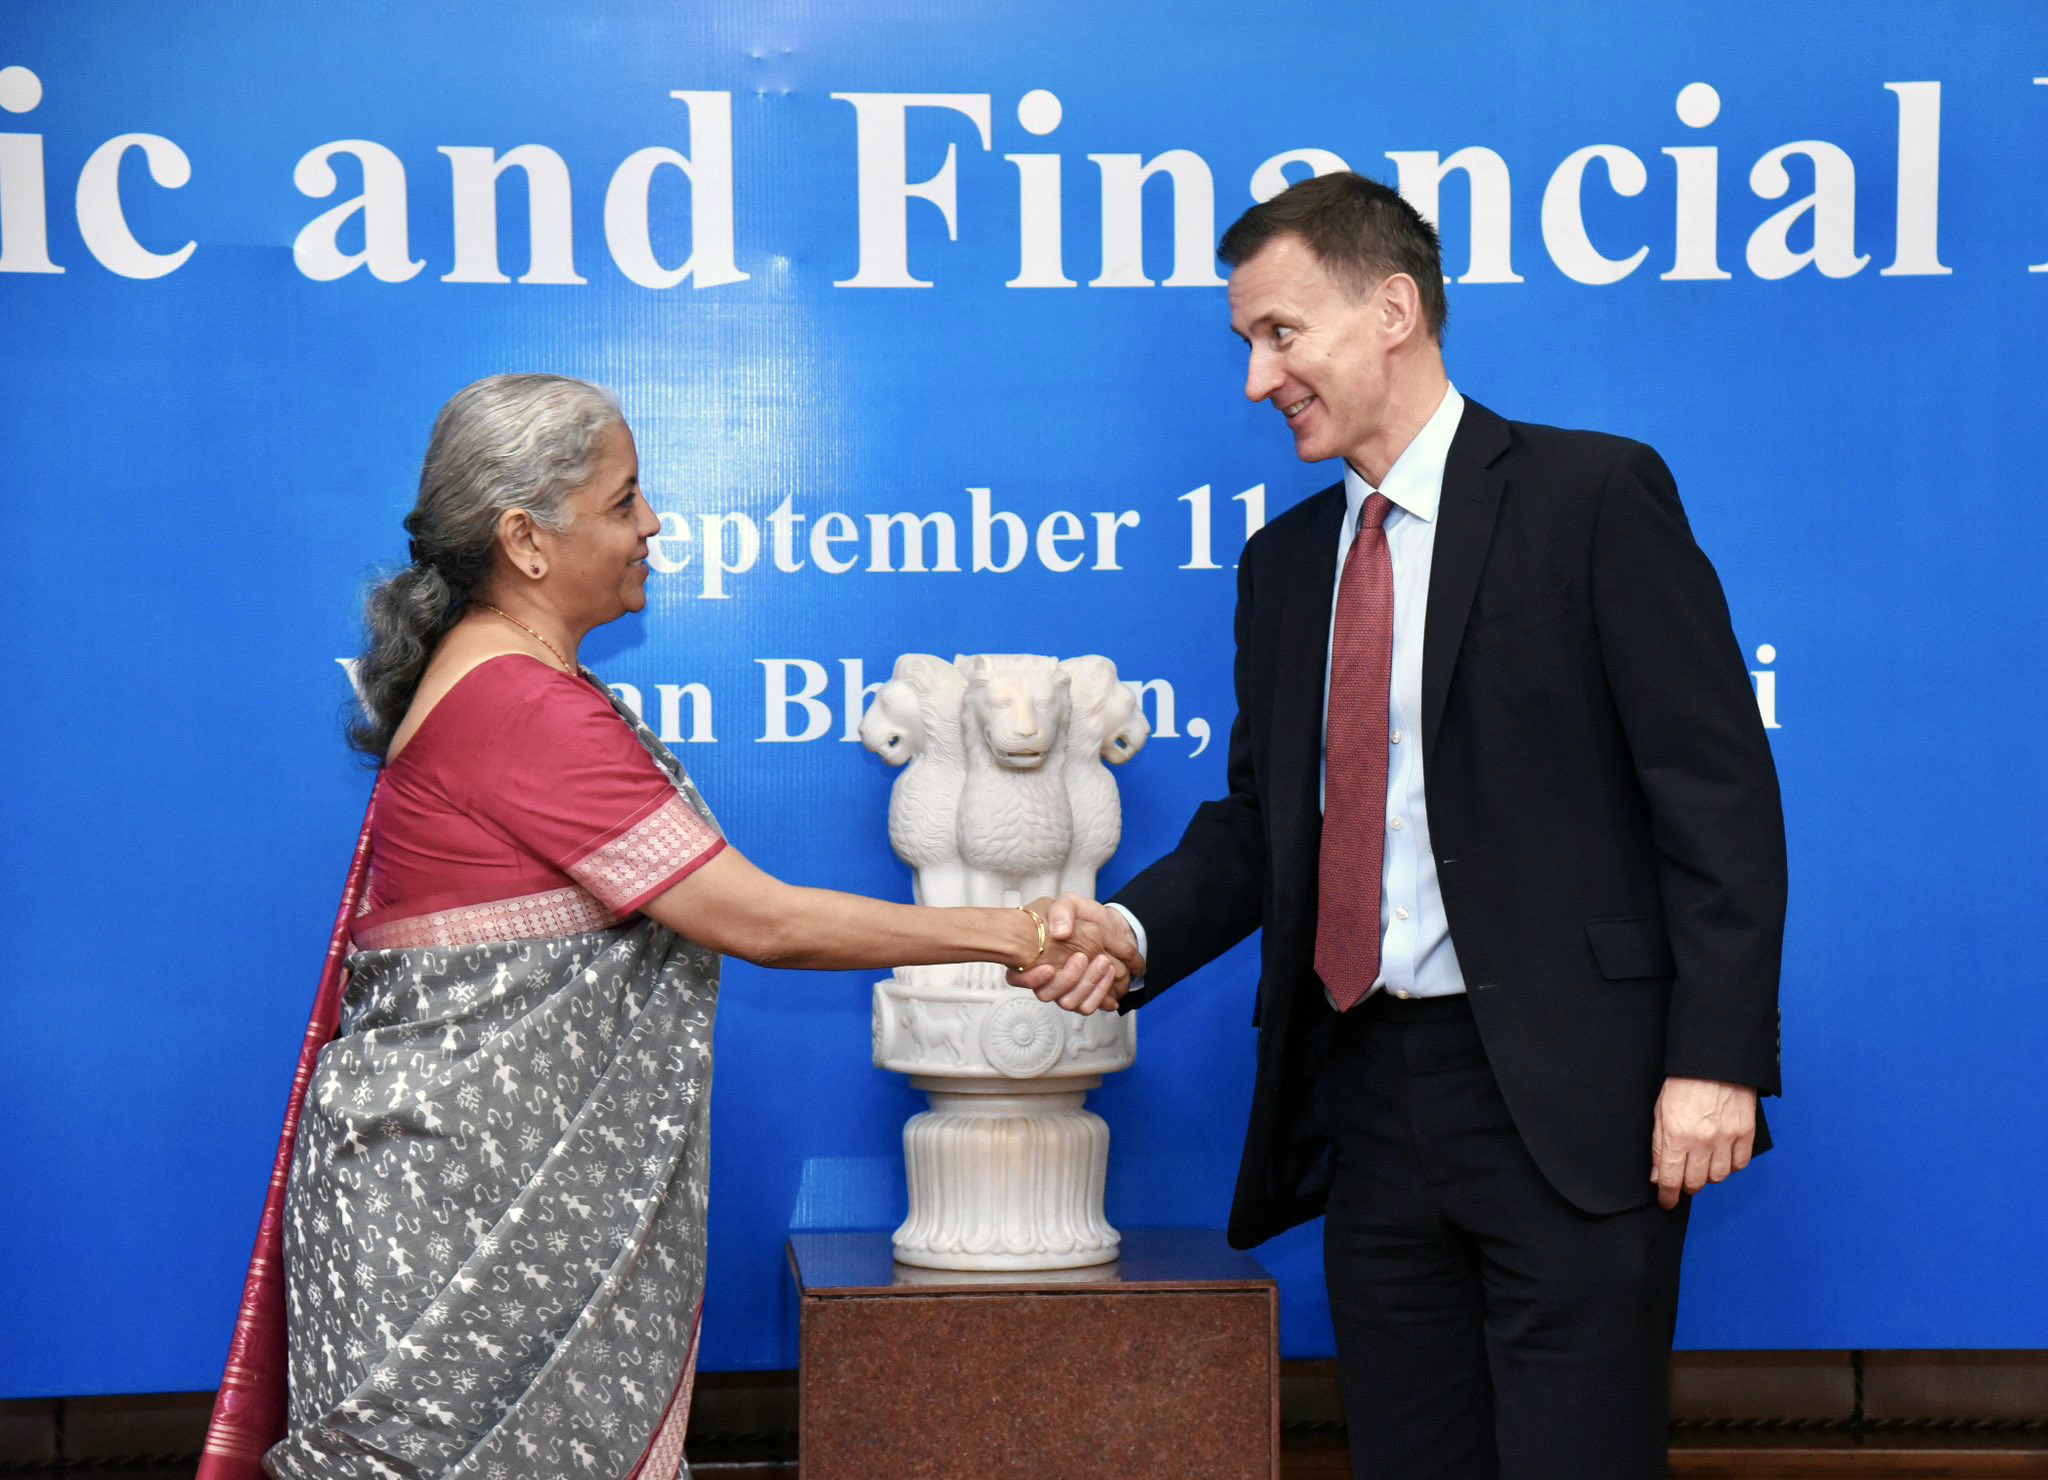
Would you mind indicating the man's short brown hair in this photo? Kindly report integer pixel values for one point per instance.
(1360, 230)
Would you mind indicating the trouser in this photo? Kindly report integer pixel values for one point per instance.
(1487, 1329)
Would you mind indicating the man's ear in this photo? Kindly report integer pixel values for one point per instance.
(1399, 303)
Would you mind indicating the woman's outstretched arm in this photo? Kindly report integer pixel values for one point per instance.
(737, 909)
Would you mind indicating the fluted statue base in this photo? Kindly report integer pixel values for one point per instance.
(1006, 1176)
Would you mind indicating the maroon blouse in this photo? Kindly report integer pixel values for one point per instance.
(522, 808)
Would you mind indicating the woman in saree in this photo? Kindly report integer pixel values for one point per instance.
(492, 1223)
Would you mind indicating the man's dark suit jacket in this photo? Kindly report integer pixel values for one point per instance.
(1602, 806)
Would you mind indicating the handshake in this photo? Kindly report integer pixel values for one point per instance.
(1090, 957)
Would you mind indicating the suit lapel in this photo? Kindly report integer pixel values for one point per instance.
(1310, 572)
(1465, 516)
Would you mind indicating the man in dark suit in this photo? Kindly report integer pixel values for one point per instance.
(1501, 800)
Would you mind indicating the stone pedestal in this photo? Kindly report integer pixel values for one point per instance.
(1165, 1362)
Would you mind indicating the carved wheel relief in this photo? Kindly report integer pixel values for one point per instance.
(1023, 1037)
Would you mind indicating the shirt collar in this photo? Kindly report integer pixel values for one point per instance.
(1415, 483)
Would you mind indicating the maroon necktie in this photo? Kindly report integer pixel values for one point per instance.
(1355, 765)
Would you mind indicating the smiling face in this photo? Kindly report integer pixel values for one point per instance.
(1319, 352)
(597, 567)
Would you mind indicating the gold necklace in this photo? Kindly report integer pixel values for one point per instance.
(567, 667)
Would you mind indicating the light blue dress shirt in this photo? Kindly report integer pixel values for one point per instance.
(1417, 958)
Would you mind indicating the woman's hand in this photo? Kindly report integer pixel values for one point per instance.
(1090, 957)
(736, 909)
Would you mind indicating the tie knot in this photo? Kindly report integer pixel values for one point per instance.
(1375, 512)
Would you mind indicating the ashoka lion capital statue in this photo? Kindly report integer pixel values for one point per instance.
(1006, 795)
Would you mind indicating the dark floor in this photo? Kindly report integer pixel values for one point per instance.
(1740, 1416)
(1319, 1461)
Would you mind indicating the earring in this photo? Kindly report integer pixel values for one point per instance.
(536, 570)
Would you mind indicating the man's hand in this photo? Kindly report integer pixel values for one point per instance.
(1090, 956)
(1704, 1131)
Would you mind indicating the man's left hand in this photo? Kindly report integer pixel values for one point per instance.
(1705, 1130)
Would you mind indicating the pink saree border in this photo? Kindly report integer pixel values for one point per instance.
(664, 1453)
(555, 912)
(250, 1412)
(647, 856)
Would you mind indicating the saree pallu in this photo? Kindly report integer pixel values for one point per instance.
(494, 1231)
(249, 1411)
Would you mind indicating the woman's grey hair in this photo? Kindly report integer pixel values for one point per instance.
(509, 442)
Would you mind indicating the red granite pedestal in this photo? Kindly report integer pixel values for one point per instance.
(1165, 1363)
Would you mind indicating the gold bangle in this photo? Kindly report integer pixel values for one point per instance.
(1038, 920)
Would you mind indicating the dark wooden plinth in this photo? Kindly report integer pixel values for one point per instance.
(1164, 1363)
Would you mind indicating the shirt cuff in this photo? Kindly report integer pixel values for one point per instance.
(1137, 930)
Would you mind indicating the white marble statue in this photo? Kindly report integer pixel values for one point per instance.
(1006, 796)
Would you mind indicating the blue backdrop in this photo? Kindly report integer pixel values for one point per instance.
(246, 252)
